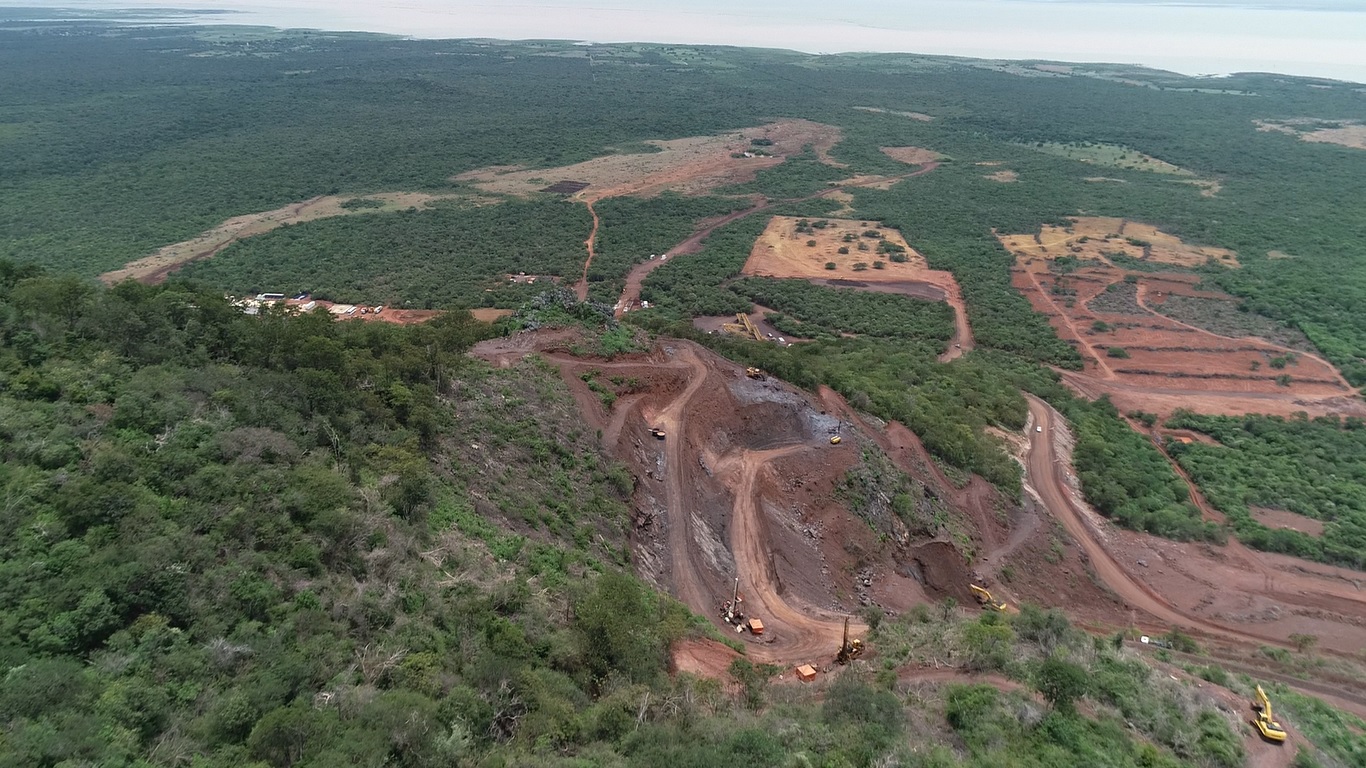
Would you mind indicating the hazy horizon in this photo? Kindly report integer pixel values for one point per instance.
(1319, 38)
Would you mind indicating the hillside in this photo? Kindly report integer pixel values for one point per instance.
(841, 335)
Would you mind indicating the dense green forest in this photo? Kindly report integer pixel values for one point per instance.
(448, 255)
(289, 541)
(1311, 467)
(213, 123)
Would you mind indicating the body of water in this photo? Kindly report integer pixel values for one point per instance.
(1322, 38)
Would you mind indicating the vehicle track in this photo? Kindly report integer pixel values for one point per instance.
(792, 634)
(1044, 471)
(581, 287)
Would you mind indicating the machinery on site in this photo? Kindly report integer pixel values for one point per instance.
(754, 373)
(733, 610)
(658, 432)
(984, 599)
(849, 649)
(743, 326)
(836, 440)
(1265, 722)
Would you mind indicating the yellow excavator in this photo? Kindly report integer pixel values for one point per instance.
(754, 373)
(985, 600)
(1265, 722)
(849, 649)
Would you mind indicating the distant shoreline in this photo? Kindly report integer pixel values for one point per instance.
(1194, 39)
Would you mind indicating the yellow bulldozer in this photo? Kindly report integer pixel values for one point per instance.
(984, 599)
(1265, 722)
(743, 326)
(754, 373)
(849, 649)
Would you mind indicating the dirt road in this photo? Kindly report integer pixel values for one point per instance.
(796, 634)
(1044, 473)
(581, 287)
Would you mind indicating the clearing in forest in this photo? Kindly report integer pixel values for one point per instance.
(921, 116)
(691, 166)
(1104, 285)
(1346, 133)
(1093, 237)
(876, 259)
(797, 247)
(912, 155)
(1006, 176)
(1109, 155)
(167, 259)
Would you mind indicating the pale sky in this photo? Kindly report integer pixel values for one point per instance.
(1325, 38)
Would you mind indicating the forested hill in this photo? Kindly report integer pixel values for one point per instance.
(289, 541)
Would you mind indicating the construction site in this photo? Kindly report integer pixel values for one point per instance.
(737, 512)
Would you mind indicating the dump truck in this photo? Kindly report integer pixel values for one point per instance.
(984, 599)
(849, 649)
(1265, 722)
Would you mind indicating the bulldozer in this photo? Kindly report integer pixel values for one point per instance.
(849, 649)
(733, 610)
(1265, 722)
(754, 373)
(743, 326)
(984, 599)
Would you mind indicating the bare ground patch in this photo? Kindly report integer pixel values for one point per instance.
(1091, 237)
(920, 116)
(1280, 518)
(781, 251)
(488, 315)
(1345, 133)
(1005, 177)
(155, 267)
(691, 166)
(912, 155)
(1146, 360)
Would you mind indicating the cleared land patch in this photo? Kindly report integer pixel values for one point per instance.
(1109, 155)
(690, 166)
(1100, 282)
(922, 117)
(167, 259)
(1005, 177)
(1346, 133)
(1091, 237)
(791, 247)
(797, 247)
(912, 155)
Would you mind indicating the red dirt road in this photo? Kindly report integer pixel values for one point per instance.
(581, 287)
(1275, 594)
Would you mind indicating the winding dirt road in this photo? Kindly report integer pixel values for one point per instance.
(797, 633)
(581, 287)
(1044, 473)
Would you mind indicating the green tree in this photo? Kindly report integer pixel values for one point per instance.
(1061, 682)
